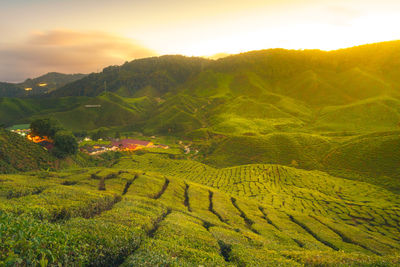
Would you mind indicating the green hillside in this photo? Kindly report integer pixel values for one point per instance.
(111, 111)
(17, 110)
(257, 92)
(374, 155)
(53, 81)
(18, 154)
(152, 211)
(38, 86)
(371, 115)
(280, 158)
(10, 90)
(157, 74)
(271, 106)
(292, 149)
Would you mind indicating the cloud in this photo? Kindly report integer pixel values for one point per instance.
(68, 52)
(341, 15)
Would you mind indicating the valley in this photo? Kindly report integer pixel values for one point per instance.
(275, 158)
(180, 212)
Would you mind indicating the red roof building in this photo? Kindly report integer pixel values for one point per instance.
(131, 143)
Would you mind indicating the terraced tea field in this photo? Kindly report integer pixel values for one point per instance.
(150, 210)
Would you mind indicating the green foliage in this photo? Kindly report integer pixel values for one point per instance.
(26, 241)
(45, 127)
(160, 211)
(53, 80)
(80, 134)
(161, 73)
(19, 154)
(99, 134)
(373, 158)
(251, 116)
(279, 148)
(64, 144)
(106, 243)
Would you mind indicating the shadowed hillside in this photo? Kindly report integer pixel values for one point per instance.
(270, 106)
(18, 154)
(38, 86)
(280, 158)
(155, 76)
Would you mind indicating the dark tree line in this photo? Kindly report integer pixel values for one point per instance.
(65, 142)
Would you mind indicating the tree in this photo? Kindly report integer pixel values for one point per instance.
(80, 134)
(64, 144)
(99, 134)
(45, 127)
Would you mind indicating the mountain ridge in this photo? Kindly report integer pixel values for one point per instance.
(39, 86)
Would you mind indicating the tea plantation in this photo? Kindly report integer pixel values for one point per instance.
(276, 158)
(150, 210)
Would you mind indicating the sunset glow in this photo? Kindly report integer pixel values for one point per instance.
(86, 36)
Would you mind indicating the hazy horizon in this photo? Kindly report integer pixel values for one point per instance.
(85, 36)
(214, 56)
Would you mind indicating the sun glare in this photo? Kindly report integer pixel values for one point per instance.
(306, 29)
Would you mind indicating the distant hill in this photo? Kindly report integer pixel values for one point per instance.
(254, 93)
(259, 92)
(289, 107)
(106, 110)
(315, 77)
(150, 76)
(20, 110)
(38, 86)
(279, 158)
(10, 90)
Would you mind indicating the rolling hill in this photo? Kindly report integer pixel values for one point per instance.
(152, 210)
(293, 160)
(268, 106)
(38, 86)
(18, 154)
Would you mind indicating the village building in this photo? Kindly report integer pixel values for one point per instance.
(21, 129)
(131, 144)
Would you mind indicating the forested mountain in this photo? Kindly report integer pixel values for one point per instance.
(269, 106)
(38, 86)
(277, 158)
(150, 76)
(335, 77)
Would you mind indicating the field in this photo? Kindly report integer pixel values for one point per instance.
(151, 210)
(277, 158)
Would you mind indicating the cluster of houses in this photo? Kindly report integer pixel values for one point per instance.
(21, 129)
(114, 145)
(43, 141)
(120, 145)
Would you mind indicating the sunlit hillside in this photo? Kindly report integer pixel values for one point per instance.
(266, 158)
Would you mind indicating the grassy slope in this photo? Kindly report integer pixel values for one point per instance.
(72, 113)
(271, 105)
(114, 111)
(280, 148)
(375, 155)
(183, 213)
(371, 115)
(258, 92)
(15, 110)
(18, 154)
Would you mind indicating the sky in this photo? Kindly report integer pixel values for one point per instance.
(83, 36)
